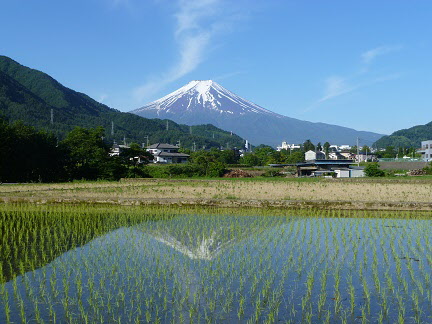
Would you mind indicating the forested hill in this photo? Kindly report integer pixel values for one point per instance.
(410, 137)
(30, 95)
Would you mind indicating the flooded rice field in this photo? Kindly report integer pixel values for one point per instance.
(65, 265)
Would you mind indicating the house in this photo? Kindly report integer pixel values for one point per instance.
(167, 153)
(117, 149)
(333, 168)
(348, 155)
(426, 150)
(336, 156)
(311, 155)
(365, 157)
(344, 147)
(286, 146)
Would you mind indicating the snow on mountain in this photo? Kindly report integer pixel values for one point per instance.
(202, 95)
(206, 102)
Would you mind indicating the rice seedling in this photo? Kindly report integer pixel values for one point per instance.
(94, 264)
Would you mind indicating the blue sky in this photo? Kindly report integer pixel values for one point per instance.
(361, 64)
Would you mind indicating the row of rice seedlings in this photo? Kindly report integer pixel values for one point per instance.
(185, 266)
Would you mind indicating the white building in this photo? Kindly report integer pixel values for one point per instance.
(365, 157)
(344, 148)
(166, 153)
(426, 150)
(117, 149)
(286, 146)
(351, 172)
(311, 155)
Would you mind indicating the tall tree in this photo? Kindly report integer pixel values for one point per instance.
(308, 146)
(28, 155)
(326, 149)
(87, 154)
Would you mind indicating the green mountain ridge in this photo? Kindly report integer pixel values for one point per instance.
(410, 137)
(30, 95)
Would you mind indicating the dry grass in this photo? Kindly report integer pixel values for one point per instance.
(326, 191)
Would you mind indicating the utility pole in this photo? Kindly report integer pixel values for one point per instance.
(194, 146)
(167, 126)
(190, 130)
(52, 116)
(358, 157)
(124, 140)
(213, 135)
(146, 137)
(112, 128)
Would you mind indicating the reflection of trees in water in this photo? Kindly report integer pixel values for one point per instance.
(231, 269)
(159, 266)
(30, 241)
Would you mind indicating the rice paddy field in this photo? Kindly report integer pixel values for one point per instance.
(389, 193)
(90, 263)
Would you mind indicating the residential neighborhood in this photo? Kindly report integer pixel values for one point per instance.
(167, 153)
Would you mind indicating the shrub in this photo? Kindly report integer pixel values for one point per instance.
(216, 169)
(373, 170)
(428, 168)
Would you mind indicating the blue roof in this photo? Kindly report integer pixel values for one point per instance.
(330, 162)
(327, 162)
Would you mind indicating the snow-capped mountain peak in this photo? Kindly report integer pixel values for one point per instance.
(202, 95)
(207, 102)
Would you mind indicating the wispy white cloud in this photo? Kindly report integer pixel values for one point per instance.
(336, 86)
(197, 23)
(102, 97)
(370, 55)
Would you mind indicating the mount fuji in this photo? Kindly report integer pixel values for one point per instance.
(208, 102)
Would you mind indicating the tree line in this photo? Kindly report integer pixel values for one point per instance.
(30, 155)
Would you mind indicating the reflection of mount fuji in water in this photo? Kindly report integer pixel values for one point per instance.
(134, 262)
(206, 237)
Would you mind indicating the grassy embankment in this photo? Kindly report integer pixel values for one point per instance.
(410, 193)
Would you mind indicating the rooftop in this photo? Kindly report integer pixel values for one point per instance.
(168, 154)
(162, 146)
(326, 162)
